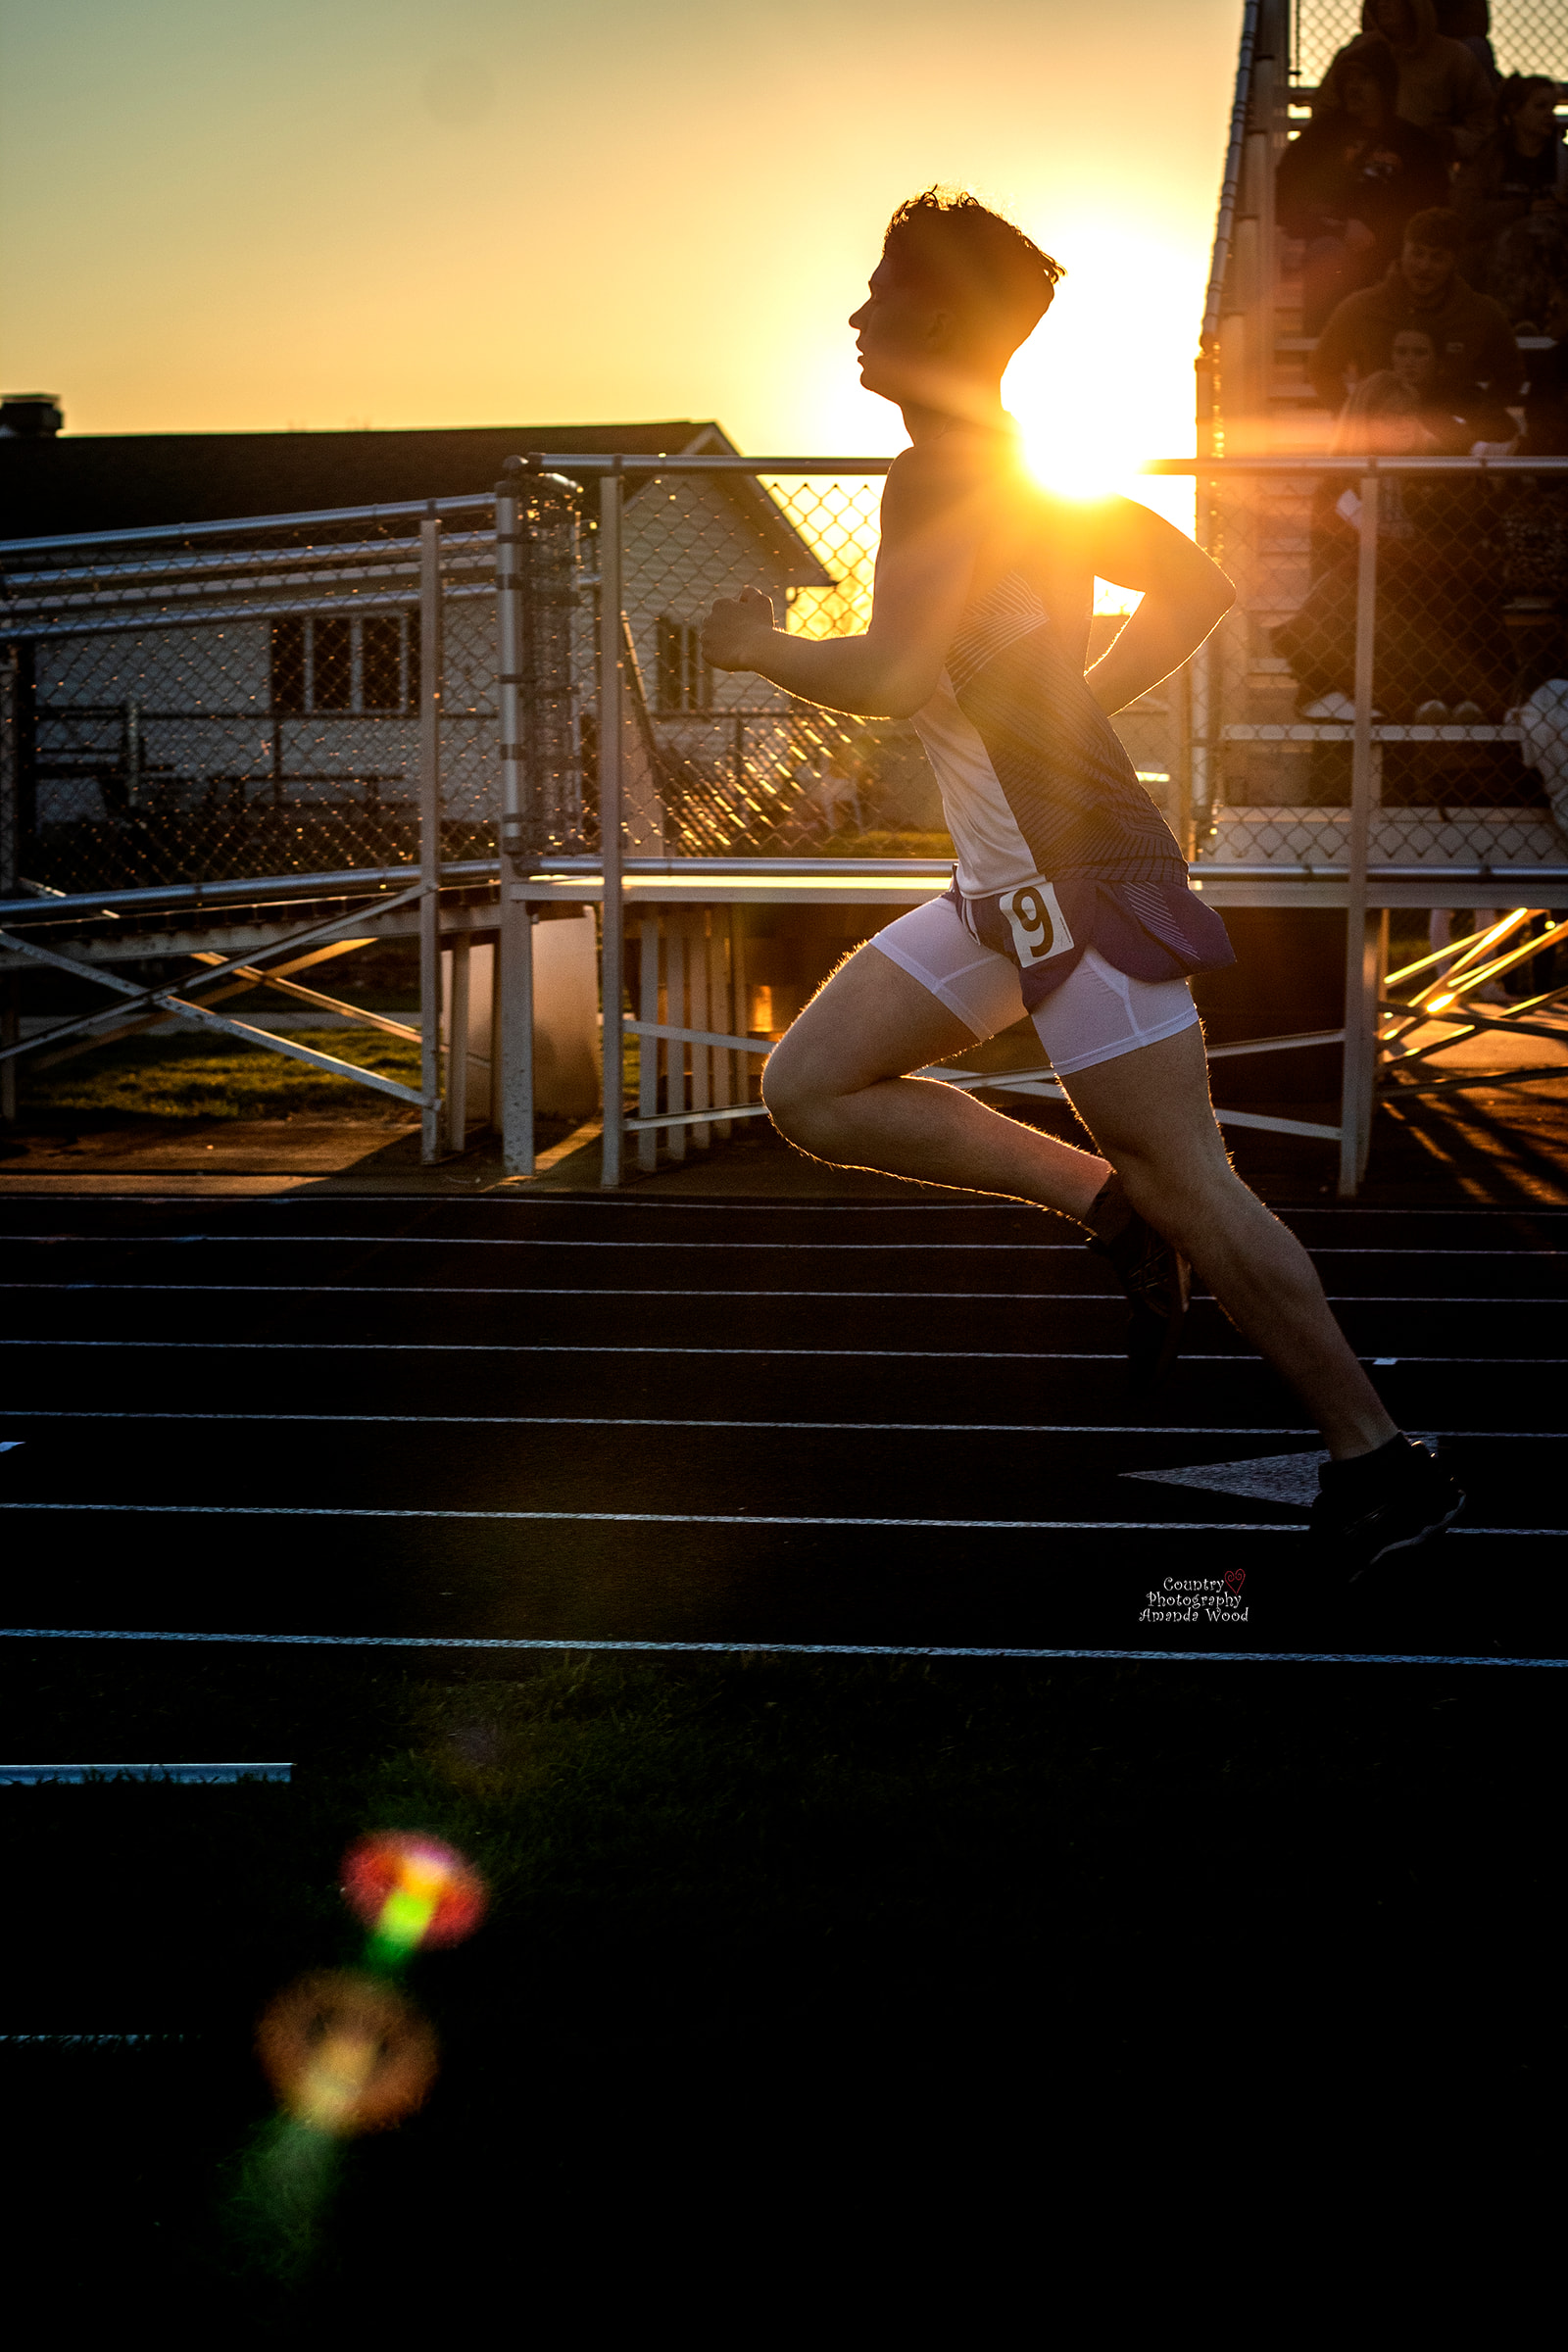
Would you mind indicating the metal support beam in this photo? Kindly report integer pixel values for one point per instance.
(459, 1010)
(511, 1029)
(612, 745)
(514, 953)
(1360, 937)
(646, 1030)
(430, 658)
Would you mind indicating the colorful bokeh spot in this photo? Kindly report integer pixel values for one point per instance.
(346, 2053)
(411, 1889)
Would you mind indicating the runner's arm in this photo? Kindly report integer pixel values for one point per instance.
(1184, 596)
(923, 569)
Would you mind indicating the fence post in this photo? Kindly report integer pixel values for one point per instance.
(460, 1008)
(10, 860)
(512, 1041)
(1202, 695)
(1360, 936)
(431, 839)
(610, 748)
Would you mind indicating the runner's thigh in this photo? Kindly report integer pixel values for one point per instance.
(1151, 1104)
(922, 990)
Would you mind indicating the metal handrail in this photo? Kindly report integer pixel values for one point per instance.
(416, 508)
(248, 891)
(1230, 183)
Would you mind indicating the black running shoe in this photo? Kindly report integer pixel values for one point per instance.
(1155, 1277)
(1394, 1500)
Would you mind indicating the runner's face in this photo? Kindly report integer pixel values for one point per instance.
(899, 332)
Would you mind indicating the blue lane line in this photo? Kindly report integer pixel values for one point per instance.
(94, 2042)
(33, 1776)
(793, 1649)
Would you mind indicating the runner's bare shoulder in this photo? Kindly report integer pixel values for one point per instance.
(958, 479)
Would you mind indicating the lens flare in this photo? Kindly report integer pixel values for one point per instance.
(411, 1891)
(346, 2053)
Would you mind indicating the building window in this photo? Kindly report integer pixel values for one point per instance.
(288, 666)
(381, 664)
(684, 677)
(332, 669)
(332, 662)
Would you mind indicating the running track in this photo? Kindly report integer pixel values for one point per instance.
(655, 1422)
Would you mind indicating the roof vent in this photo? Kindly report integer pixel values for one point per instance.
(29, 415)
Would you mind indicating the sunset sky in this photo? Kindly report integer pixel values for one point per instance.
(221, 216)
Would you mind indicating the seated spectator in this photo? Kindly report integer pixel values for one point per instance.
(1520, 170)
(1479, 368)
(1469, 22)
(1545, 433)
(1351, 181)
(1441, 650)
(1443, 87)
(1444, 430)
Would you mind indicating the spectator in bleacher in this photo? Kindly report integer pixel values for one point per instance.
(1443, 87)
(1469, 22)
(1547, 393)
(1441, 651)
(1351, 181)
(1479, 366)
(1519, 175)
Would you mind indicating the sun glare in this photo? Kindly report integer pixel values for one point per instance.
(1087, 466)
(1086, 389)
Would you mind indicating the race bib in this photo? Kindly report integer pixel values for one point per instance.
(1038, 925)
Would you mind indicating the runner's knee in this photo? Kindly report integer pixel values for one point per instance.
(797, 1104)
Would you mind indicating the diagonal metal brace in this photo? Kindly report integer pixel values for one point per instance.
(158, 997)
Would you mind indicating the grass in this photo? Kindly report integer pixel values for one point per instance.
(756, 1912)
(183, 1077)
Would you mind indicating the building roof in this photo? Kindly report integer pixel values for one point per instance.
(54, 486)
(51, 485)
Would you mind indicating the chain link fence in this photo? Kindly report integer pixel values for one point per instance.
(1468, 667)
(727, 765)
(1527, 37)
(239, 701)
(242, 702)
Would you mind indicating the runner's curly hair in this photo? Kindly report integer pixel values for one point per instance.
(950, 236)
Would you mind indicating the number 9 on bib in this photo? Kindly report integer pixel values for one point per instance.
(1037, 924)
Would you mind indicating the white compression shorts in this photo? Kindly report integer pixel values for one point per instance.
(1096, 1013)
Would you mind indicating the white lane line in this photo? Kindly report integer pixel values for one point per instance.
(431, 1241)
(988, 1429)
(307, 1510)
(764, 1648)
(553, 1290)
(924, 1355)
(1110, 1527)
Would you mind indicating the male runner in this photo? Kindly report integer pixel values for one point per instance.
(1070, 899)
